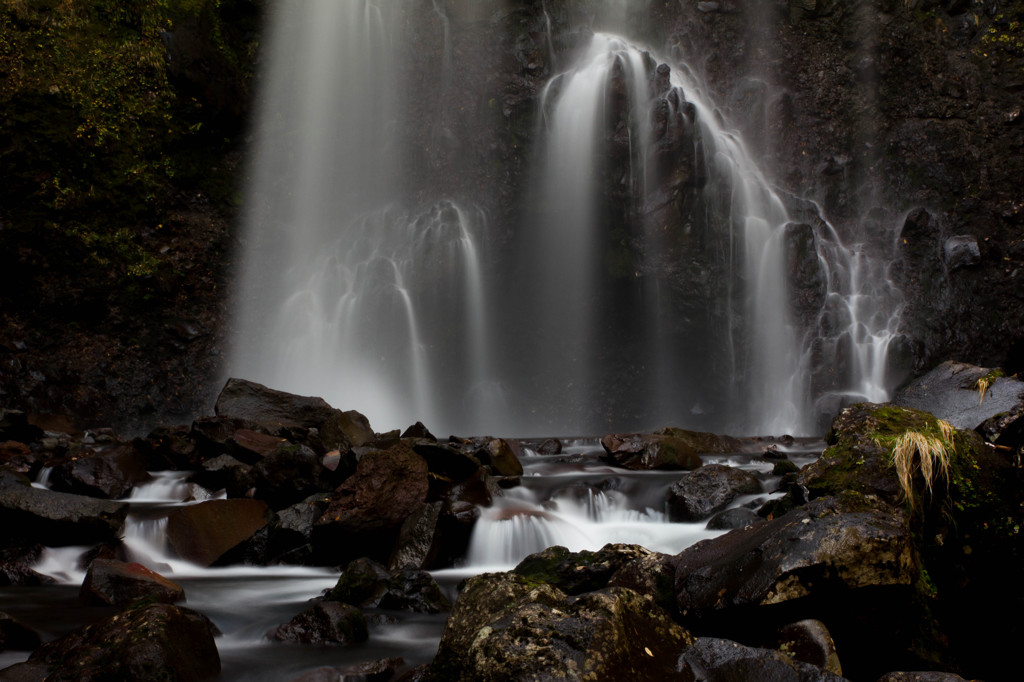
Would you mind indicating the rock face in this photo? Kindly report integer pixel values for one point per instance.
(155, 642)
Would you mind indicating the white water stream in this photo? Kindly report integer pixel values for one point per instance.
(572, 499)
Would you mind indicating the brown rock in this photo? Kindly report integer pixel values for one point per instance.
(203, 532)
(116, 583)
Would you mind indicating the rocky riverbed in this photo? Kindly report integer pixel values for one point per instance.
(876, 557)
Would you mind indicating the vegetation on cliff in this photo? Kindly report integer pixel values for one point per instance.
(119, 128)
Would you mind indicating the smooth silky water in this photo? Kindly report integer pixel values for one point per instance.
(573, 499)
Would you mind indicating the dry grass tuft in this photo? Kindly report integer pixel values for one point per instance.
(913, 451)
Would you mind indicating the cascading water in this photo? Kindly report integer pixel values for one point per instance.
(645, 281)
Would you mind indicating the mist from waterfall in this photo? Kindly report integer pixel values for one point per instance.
(646, 284)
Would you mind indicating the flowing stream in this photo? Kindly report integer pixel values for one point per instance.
(573, 499)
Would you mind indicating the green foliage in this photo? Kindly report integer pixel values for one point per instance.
(95, 135)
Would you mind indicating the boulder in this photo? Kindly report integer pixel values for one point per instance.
(500, 457)
(106, 473)
(550, 446)
(577, 572)
(730, 519)
(508, 627)
(51, 518)
(827, 548)
(251, 446)
(271, 409)
(417, 543)
(324, 623)
(116, 583)
(452, 461)
(721, 660)
(368, 509)
(809, 641)
(280, 413)
(953, 392)
(652, 451)
(226, 473)
(367, 584)
(202, 533)
(707, 490)
(290, 474)
(156, 641)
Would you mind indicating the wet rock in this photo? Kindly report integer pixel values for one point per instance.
(418, 430)
(271, 409)
(325, 623)
(811, 642)
(381, 670)
(952, 392)
(415, 547)
(279, 413)
(252, 446)
(116, 583)
(721, 660)
(452, 461)
(578, 572)
(551, 446)
(731, 519)
(54, 518)
(16, 636)
(108, 473)
(157, 641)
(827, 548)
(708, 490)
(224, 472)
(961, 251)
(507, 627)
(290, 474)
(16, 564)
(169, 448)
(499, 456)
(202, 533)
(368, 509)
(19, 458)
(367, 584)
(287, 537)
(642, 452)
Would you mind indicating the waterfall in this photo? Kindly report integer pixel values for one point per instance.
(637, 273)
